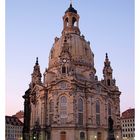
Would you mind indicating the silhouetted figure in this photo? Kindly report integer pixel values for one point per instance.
(36, 130)
(27, 114)
(110, 123)
(110, 129)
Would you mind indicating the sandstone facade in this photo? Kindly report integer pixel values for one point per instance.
(71, 103)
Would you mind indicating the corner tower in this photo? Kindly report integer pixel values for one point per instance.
(36, 75)
(107, 71)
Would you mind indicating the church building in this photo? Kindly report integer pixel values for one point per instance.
(70, 103)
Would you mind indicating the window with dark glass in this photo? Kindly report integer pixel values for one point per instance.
(80, 111)
(97, 107)
(108, 82)
(63, 109)
(63, 69)
(51, 109)
(98, 119)
(97, 112)
(109, 110)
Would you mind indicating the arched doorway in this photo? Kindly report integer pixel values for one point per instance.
(82, 136)
(63, 135)
(99, 136)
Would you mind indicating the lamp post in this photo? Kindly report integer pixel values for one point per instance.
(117, 137)
(48, 131)
(36, 131)
(95, 137)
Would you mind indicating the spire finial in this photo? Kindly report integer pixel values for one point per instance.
(106, 56)
(70, 2)
(36, 61)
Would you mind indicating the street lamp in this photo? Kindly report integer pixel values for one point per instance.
(95, 137)
(36, 131)
(48, 131)
(117, 137)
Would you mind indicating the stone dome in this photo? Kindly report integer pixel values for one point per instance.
(78, 48)
(71, 53)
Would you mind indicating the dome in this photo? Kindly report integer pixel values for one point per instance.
(77, 47)
(71, 53)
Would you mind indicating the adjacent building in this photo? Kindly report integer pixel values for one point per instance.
(71, 103)
(13, 128)
(20, 115)
(128, 124)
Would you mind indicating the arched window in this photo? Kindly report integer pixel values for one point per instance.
(97, 106)
(63, 135)
(51, 105)
(63, 69)
(108, 82)
(63, 102)
(74, 21)
(51, 110)
(109, 110)
(63, 109)
(80, 105)
(80, 111)
(66, 22)
(97, 112)
(82, 136)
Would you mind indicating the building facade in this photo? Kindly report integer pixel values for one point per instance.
(71, 103)
(13, 128)
(128, 124)
(20, 115)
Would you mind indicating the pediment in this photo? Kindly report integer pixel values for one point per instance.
(37, 88)
(61, 85)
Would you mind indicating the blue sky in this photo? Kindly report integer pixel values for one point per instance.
(31, 27)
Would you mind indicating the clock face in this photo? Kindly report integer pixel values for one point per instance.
(64, 60)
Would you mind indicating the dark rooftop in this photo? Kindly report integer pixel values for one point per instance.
(71, 9)
(128, 114)
(13, 121)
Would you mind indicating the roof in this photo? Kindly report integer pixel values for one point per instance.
(13, 121)
(19, 114)
(128, 114)
(71, 9)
